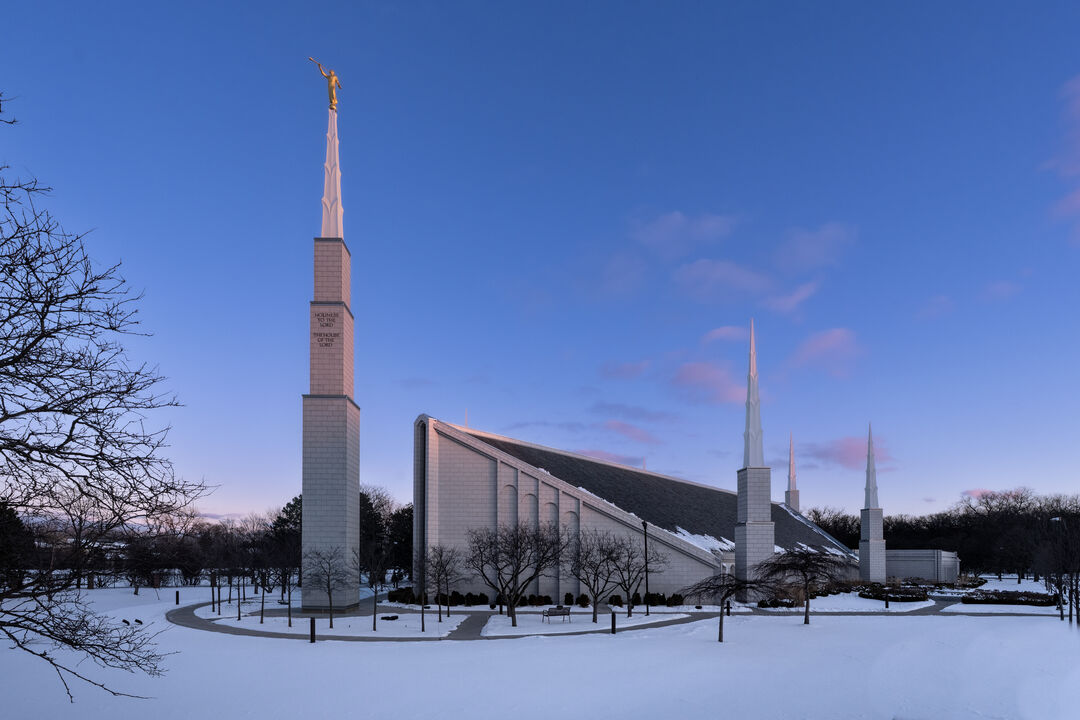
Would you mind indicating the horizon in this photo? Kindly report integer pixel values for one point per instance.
(561, 230)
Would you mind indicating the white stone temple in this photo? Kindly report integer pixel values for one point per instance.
(872, 541)
(791, 495)
(331, 424)
(754, 528)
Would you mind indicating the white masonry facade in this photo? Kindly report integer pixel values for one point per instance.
(331, 418)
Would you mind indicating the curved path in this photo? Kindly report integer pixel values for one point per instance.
(472, 626)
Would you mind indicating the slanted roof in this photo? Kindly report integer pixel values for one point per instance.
(667, 502)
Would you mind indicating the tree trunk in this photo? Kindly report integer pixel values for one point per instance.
(374, 606)
(511, 609)
(721, 637)
(290, 606)
(330, 599)
(595, 602)
(262, 608)
(806, 614)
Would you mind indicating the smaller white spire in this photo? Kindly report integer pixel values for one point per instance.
(791, 463)
(871, 471)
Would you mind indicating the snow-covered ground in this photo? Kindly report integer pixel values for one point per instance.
(837, 667)
(851, 602)
(981, 609)
(499, 625)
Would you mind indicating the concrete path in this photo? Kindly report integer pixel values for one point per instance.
(472, 626)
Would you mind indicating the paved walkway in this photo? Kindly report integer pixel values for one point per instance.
(472, 626)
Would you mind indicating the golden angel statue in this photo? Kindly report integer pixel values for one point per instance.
(332, 83)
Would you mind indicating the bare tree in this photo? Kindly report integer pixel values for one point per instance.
(593, 560)
(804, 567)
(721, 589)
(369, 562)
(511, 557)
(75, 421)
(629, 565)
(326, 570)
(443, 570)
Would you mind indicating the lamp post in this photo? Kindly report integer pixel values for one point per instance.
(1063, 534)
(645, 529)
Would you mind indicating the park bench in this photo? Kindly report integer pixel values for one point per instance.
(558, 611)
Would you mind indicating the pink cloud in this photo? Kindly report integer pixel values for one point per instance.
(633, 432)
(674, 234)
(709, 383)
(811, 249)
(1068, 161)
(625, 371)
(833, 350)
(936, 306)
(1001, 290)
(611, 457)
(848, 452)
(734, 333)
(790, 303)
(622, 275)
(713, 279)
(977, 493)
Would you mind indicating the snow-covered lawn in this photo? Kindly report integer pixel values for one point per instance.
(851, 602)
(534, 624)
(981, 609)
(837, 667)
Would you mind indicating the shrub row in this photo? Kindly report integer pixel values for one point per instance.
(1009, 597)
(895, 594)
(405, 595)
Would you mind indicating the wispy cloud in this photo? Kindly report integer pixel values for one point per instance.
(976, 492)
(936, 307)
(624, 370)
(632, 460)
(622, 274)
(632, 432)
(733, 333)
(707, 382)
(708, 280)
(674, 234)
(1001, 290)
(834, 351)
(568, 426)
(790, 302)
(630, 412)
(847, 452)
(805, 250)
(1068, 161)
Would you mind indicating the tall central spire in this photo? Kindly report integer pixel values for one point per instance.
(871, 472)
(331, 200)
(753, 455)
(791, 464)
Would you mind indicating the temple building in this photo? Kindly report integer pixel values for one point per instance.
(464, 478)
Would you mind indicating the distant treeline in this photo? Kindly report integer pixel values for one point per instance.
(1013, 531)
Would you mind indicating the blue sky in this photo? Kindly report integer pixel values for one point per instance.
(563, 216)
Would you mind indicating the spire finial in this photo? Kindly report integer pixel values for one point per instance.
(871, 471)
(753, 455)
(332, 212)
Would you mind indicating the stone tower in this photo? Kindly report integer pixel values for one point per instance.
(754, 532)
(331, 434)
(791, 496)
(871, 536)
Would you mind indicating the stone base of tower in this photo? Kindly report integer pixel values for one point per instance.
(331, 494)
(872, 546)
(791, 499)
(755, 535)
